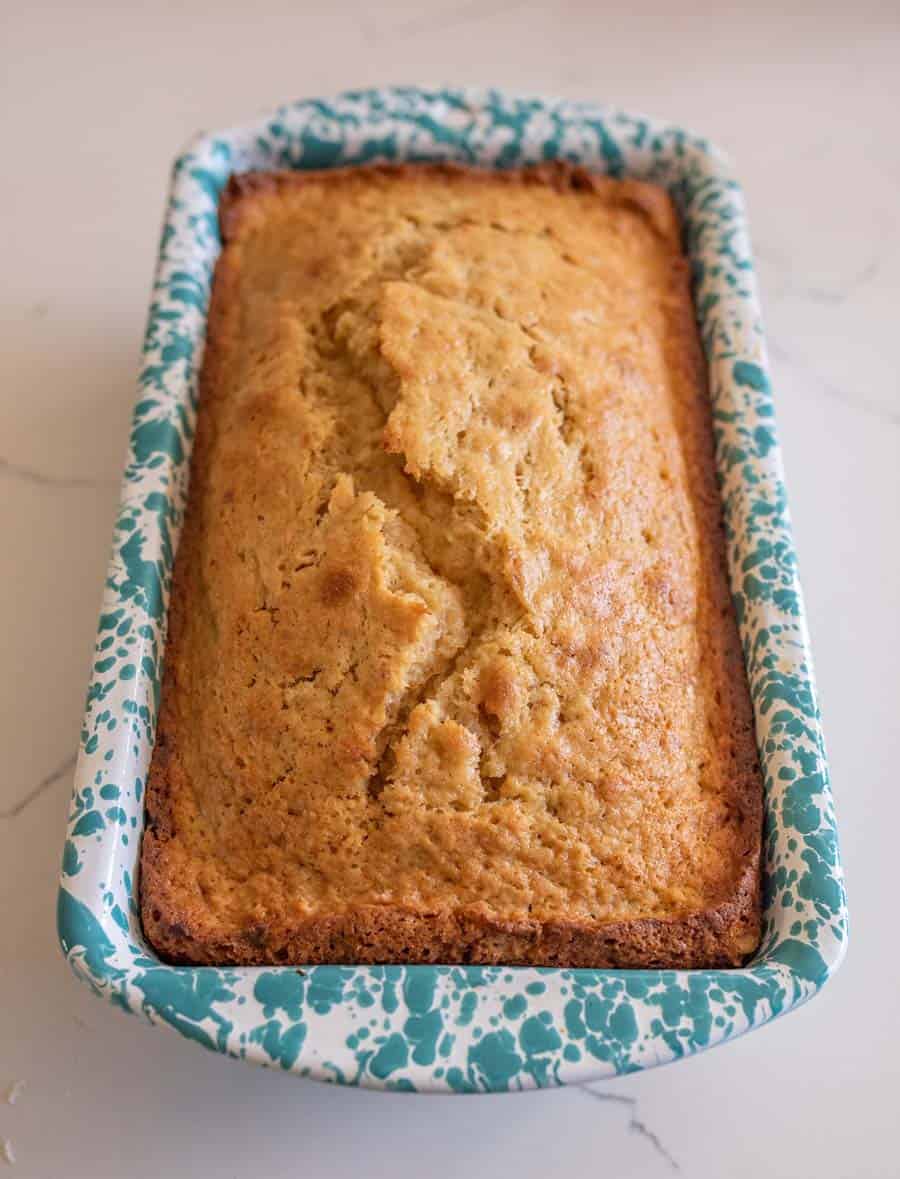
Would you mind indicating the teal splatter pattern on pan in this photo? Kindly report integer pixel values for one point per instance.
(459, 1029)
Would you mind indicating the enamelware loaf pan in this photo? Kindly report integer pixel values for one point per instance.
(454, 1028)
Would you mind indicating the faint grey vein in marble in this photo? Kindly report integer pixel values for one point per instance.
(40, 479)
(831, 295)
(36, 791)
(635, 1124)
(835, 296)
(889, 415)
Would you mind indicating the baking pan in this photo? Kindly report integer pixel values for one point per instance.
(454, 1028)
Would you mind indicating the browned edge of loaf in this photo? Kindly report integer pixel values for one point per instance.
(721, 936)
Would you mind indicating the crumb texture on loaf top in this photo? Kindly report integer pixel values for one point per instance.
(450, 625)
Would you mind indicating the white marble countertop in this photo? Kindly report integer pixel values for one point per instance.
(96, 100)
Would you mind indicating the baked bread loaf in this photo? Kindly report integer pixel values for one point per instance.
(452, 671)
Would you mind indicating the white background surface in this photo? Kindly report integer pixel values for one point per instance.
(94, 102)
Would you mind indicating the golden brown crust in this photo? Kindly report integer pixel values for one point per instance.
(442, 769)
(237, 200)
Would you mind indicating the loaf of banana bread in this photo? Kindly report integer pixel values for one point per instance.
(452, 670)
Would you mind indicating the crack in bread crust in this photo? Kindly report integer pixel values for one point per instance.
(452, 671)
